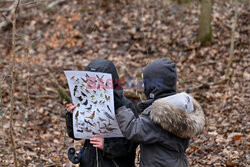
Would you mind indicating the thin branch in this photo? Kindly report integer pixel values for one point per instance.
(2, 118)
(229, 65)
(10, 8)
(1, 95)
(28, 3)
(6, 18)
(27, 82)
(33, 4)
(13, 81)
(54, 3)
(6, 22)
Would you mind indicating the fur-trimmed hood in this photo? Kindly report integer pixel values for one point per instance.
(177, 121)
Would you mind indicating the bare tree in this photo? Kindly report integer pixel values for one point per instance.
(205, 30)
(13, 80)
(231, 53)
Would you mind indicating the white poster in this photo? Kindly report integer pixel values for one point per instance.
(92, 93)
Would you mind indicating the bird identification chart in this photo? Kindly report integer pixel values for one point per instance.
(92, 93)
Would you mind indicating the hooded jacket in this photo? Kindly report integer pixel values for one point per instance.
(117, 152)
(167, 121)
(159, 78)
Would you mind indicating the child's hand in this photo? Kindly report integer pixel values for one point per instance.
(70, 107)
(97, 142)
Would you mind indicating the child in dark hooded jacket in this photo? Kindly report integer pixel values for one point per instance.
(115, 152)
(168, 120)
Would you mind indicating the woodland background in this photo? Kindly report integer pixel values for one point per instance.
(52, 36)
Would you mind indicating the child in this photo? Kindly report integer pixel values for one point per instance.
(112, 152)
(168, 119)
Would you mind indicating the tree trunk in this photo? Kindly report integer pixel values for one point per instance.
(183, 1)
(205, 30)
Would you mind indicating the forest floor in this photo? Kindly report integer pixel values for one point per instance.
(71, 34)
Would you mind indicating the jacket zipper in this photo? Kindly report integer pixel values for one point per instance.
(97, 159)
(115, 163)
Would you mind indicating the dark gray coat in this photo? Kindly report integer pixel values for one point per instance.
(163, 131)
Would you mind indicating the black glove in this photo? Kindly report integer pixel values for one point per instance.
(118, 101)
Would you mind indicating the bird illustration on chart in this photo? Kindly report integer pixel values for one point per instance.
(94, 114)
